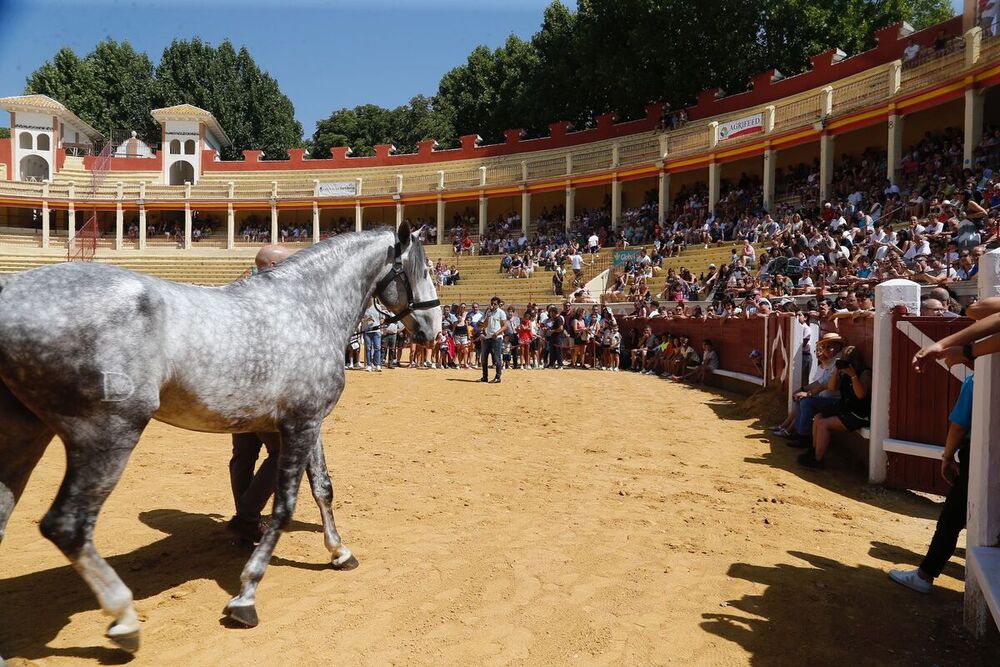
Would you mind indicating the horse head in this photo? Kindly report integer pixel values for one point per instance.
(407, 289)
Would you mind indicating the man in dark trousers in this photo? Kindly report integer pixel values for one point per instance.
(953, 513)
(493, 327)
(251, 490)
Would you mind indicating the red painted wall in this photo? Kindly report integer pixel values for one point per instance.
(733, 339)
(128, 163)
(559, 137)
(824, 71)
(5, 155)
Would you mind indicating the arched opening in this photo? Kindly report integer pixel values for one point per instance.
(25, 141)
(43, 142)
(34, 168)
(175, 146)
(189, 147)
(181, 172)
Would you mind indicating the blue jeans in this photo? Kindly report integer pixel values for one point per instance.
(808, 408)
(373, 348)
(492, 346)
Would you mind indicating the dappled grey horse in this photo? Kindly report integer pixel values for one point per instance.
(91, 353)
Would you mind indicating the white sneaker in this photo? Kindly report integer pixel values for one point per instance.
(368, 369)
(911, 580)
(378, 369)
(349, 367)
(615, 369)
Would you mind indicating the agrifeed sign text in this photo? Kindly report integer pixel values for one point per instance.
(339, 189)
(741, 127)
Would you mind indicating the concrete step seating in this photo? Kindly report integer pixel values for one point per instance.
(480, 275)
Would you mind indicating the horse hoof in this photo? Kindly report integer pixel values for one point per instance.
(348, 564)
(245, 615)
(128, 642)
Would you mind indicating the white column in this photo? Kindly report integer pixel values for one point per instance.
(714, 183)
(440, 218)
(663, 196)
(794, 355)
(894, 150)
(570, 206)
(826, 151)
(71, 217)
(358, 214)
(187, 225)
(230, 227)
(983, 527)
(974, 102)
(483, 210)
(315, 222)
(142, 215)
(46, 219)
(888, 295)
(119, 218)
(525, 210)
(187, 216)
(274, 222)
(616, 202)
(399, 214)
(770, 163)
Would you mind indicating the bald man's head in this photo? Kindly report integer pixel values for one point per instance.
(270, 256)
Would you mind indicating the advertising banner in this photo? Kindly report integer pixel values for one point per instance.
(339, 189)
(741, 127)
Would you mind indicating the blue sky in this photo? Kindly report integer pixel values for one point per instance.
(325, 54)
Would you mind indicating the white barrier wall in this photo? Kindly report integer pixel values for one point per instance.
(888, 295)
(982, 579)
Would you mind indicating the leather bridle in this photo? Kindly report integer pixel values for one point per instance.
(396, 273)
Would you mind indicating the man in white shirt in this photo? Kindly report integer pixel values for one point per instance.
(576, 261)
(494, 327)
(594, 244)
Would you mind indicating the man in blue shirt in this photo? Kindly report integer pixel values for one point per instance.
(953, 514)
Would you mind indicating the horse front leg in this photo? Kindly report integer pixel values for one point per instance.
(297, 443)
(341, 557)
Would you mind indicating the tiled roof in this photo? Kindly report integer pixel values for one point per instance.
(44, 103)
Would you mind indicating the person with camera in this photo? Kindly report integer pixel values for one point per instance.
(853, 380)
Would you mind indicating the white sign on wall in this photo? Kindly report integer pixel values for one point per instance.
(339, 189)
(741, 127)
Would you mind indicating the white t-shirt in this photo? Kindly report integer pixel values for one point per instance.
(593, 241)
(576, 261)
(494, 321)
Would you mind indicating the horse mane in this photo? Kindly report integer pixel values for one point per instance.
(340, 245)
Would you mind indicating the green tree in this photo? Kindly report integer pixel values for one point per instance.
(364, 126)
(247, 101)
(4, 133)
(115, 87)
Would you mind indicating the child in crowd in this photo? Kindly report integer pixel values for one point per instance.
(614, 347)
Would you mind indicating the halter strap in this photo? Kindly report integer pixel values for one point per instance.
(395, 273)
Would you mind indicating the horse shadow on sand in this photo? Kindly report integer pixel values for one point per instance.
(845, 474)
(820, 612)
(196, 546)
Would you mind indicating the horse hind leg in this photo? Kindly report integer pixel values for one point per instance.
(297, 442)
(92, 471)
(22, 443)
(322, 489)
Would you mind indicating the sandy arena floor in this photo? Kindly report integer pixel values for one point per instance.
(627, 521)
